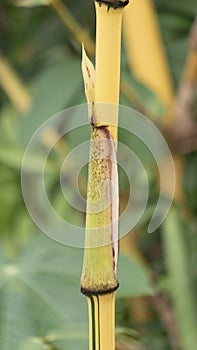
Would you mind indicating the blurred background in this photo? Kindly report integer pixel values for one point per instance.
(40, 75)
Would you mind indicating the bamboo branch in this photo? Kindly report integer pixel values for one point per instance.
(74, 27)
(13, 87)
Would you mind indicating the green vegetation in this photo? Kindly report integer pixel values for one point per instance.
(41, 307)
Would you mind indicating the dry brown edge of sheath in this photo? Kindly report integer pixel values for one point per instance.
(113, 3)
(99, 292)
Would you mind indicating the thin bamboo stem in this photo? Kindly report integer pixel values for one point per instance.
(13, 87)
(74, 27)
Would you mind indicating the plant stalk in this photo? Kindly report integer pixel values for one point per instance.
(99, 281)
(13, 87)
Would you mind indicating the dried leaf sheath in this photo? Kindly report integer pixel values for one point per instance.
(99, 271)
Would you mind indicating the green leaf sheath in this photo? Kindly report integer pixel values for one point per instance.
(100, 258)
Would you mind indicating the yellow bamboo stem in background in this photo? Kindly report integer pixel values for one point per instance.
(148, 63)
(13, 87)
(145, 50)
(190, 73)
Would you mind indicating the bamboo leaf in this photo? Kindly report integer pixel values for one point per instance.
(181, 284)
(33, 344)
(41, 288)
(133, 279)
(57, 84)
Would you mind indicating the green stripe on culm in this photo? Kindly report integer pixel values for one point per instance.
(93, 322)
(95, 317)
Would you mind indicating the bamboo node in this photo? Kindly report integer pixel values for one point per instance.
(113, 3)
(95, 292)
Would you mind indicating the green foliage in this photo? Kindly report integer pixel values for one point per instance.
(133, 279)
(189, 181)
(40, 295)
(177, 262)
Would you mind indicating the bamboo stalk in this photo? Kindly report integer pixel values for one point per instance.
(99, 309)
(13, 87)
(145, 50)
(148, 63)
(74, 27)
(99, 280)
(108, 41)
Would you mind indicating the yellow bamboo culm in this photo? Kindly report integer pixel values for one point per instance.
(99, 309)
(108, 44)
(145, 50)
(98, 280)
(148, 62)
